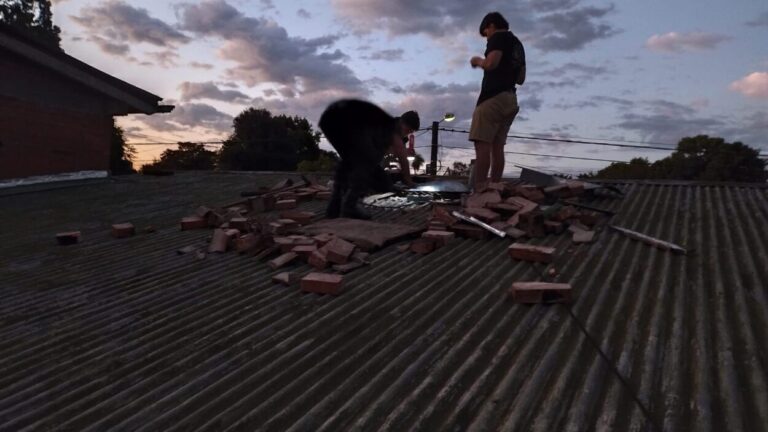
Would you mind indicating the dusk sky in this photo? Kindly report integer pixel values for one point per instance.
(647, 71)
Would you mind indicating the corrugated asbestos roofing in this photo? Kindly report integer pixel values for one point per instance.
(127, 335)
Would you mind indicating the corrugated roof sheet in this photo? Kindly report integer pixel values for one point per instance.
(127, 335)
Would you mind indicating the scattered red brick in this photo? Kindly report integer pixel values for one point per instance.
(576, 226)
(277, 228)
(304, 251)
(323, 195)
(302, 217)
(284, 278)
(442, 237)
(68, 238)
(583, 236)
(219, 241)
(240, 223)
(322, 283)
(285, 204)
(504, 208)
(480, 200)
(483, 214)
(361, 257)
(469, 231)
(532, 223)
(553, 227)
(193, 222)
(443, 216)
(123, 230)
(282, 260)
(528, 252)
(514, 233)
(323, 239)
(564, 214)
(424, 246)
(540, 292)
(404, 247)
(288, 224)
(589, 218)
(339, 251)
(348, 267)
(530, 192)
(318, 260)
(246, 243)
(305, 196)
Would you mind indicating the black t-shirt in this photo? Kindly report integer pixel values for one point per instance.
(502, 78)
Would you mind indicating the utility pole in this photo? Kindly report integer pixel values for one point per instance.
(433, 162)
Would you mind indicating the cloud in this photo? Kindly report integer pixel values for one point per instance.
(759, 21)
(209, 90)
(166, 59)
(264, 52)
(754, 85)
(190, 115)
(554, 25)
(673, 42)
(386, 55)
(115, 24)
(667, 122)
(572, 30)
(303, 13)
(199, 65)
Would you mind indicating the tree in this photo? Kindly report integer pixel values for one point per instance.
(418, 162)
(262, 142)
(700, 158)
(325, 163)
(460, 168)
(32, 17)
(121, 154)
(188, 156)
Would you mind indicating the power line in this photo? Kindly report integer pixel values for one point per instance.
(563, 140)
(546, 155)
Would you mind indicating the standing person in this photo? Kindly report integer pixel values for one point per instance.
(362, 134)
(503, 67)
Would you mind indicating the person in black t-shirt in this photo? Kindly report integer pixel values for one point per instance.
(362, 134)
(497, 104)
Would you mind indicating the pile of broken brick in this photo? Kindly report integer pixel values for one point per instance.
(518, 212)
(237, 227)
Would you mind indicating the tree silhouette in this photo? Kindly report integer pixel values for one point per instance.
(32, 17)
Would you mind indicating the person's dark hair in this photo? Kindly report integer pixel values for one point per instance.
(411, 119)
(496, 19)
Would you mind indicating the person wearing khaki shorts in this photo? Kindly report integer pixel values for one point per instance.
(497, 104)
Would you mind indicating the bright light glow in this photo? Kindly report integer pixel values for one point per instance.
(449, 117)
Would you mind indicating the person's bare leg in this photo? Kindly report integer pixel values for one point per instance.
(497, 161)
(482, 164)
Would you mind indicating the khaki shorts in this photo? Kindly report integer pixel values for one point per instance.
(493, 118)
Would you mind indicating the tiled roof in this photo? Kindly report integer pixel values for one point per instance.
(126, 334)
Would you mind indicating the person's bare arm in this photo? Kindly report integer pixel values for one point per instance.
(489, 63)
(398, 149)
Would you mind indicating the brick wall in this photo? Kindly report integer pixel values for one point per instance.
(49, 125)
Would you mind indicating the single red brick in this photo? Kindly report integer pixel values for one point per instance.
(277, 228)
(219, 241)
(317, 259)
(323, 239)
(589, 218)
(443, 237)
(469, 231)
(203, 212)
(123, 230)
(525, 205)
(322, 283)
(480, 200)
(284, 278)
(246, 243)
(284, 243)
(339, 251)
(528, 252)
(404, 247)
(302, 217)
(553, 227)
(282, 260)
(540, 292)
(483, 214)
(530, 192)
(444, 216)
(193, 222)
(576, 226)
(288, 224)
(285, 204)
(348, 267)
(504, 208)
(583, 236)
(304, 251)
(514, 233)
(424, 246)
(68, 238)
(564, 214)
(361, 257)
(240, 223)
